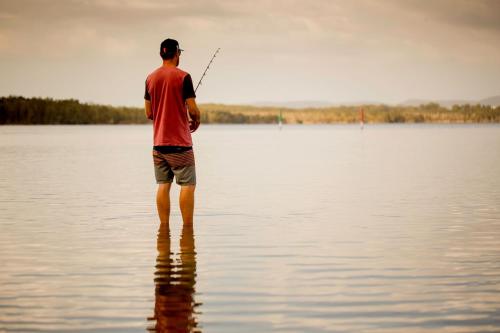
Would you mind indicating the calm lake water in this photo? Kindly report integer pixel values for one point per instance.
(394, 228)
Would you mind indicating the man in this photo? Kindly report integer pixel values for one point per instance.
(169, 98)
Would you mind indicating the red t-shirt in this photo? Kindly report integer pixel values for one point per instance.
(170, 120)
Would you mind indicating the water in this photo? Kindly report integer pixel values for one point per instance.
(309, 229)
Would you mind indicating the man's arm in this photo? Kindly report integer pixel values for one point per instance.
(194, 113)
(189, 96)
(147, 107)
(147, 102)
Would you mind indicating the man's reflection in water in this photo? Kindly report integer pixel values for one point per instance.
(175, 308)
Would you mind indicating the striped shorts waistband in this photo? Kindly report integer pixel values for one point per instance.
(174, 160)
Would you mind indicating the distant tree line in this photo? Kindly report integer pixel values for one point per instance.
(425, 113)
(228, 117)
(21, 110)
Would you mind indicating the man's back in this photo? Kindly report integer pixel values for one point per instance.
(165, 89)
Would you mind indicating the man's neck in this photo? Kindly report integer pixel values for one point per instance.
(169, 63)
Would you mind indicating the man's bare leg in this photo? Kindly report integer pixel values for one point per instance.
(163, 202)
(186, 202)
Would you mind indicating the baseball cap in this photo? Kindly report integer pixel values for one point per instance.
(169, 47)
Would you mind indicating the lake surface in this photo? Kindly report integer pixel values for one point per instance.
(394, 228)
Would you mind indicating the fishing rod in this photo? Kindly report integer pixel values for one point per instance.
(206, 69)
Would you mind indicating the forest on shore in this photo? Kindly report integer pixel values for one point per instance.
(22, 110)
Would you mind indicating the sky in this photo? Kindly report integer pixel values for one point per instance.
(386, 51)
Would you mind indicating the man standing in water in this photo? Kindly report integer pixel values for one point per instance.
(169, 97)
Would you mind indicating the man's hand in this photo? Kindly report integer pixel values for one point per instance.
(194, 114)
(193, 125)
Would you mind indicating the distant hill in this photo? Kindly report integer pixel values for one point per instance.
(294, 104)
(311, 104)
(448, 103)
(492, 101)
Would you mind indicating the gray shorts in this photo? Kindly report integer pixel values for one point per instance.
(181, 165)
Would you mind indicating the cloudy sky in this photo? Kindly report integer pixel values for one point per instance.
(281, 50)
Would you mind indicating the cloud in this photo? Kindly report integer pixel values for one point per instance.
(284, 25)
(477, 14)
(365, 48)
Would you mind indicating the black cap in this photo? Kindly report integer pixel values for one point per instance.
(169, 47)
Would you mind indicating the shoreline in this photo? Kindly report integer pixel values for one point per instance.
(37, 111)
